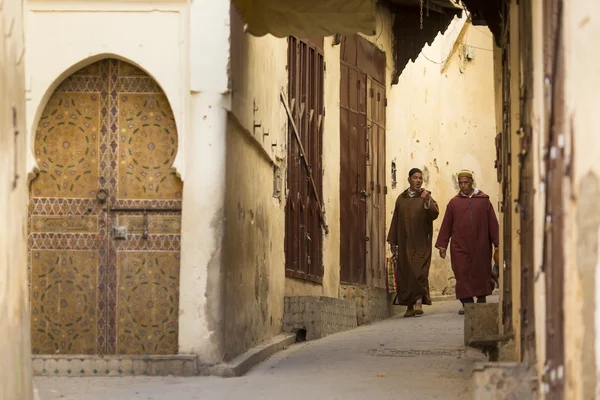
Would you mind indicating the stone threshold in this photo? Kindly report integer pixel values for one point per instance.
(246, 361)
(88, 366)
(174, 365)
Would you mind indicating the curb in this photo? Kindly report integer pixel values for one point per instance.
(245, 362)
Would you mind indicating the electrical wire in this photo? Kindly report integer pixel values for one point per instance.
(480, 48)
(435, 62)
(482, 31)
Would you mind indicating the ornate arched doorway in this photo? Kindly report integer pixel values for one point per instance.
(104, 217)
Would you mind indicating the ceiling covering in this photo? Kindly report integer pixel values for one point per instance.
(432, 5)
(490, 13)
(410, 37)
(304, 18)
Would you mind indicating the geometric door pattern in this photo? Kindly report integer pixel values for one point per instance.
(105, 217)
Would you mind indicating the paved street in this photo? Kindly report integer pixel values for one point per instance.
(418, 358)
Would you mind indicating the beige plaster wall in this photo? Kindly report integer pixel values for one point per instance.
(443, 121)
(254, 262)
(15, 370)
(254, 259)
(582, 188)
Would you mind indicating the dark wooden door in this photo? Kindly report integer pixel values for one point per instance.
(376, 189)
(303, 232)
(362, 162)
(353, 174)
(554, 236)
(526, 177)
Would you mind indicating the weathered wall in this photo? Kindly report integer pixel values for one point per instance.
(15, 373)
(331, 169)
(254, 261)
(208, 99)
(582, 233)
(441, 118)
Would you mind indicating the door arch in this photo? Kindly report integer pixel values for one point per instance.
(105, 217)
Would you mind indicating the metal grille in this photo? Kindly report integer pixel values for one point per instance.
(303, 235)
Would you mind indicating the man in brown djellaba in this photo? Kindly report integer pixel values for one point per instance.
(410, 239)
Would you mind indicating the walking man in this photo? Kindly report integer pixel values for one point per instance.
(472, 225)
(410, 239)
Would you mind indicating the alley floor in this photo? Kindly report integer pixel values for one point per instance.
(417, 358)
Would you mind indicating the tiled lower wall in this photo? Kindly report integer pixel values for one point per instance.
(176, 365)
(372, 304)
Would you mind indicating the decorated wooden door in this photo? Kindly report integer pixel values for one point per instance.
(105, 217)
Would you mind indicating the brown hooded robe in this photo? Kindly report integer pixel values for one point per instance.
(412, 231)
(472, 224)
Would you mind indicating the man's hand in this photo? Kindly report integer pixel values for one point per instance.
(394, 249)
(425, 194)
(443, 253)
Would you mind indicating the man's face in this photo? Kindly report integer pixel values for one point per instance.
(416, 181)
(466, 185)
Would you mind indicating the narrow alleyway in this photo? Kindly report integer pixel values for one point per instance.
(417, 358)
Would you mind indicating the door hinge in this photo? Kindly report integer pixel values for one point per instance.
(372, 92)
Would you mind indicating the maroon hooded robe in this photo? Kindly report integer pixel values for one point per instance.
(471, 225)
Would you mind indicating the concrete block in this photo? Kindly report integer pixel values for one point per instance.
(481, 320)
(319, 316)
(507, 351)
(189, 368)
(503, 381)
(372, 304)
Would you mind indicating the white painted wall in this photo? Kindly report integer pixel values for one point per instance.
(201, 285)
(64, 36)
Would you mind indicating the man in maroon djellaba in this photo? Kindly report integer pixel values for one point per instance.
(471, 227)
(410, 238)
